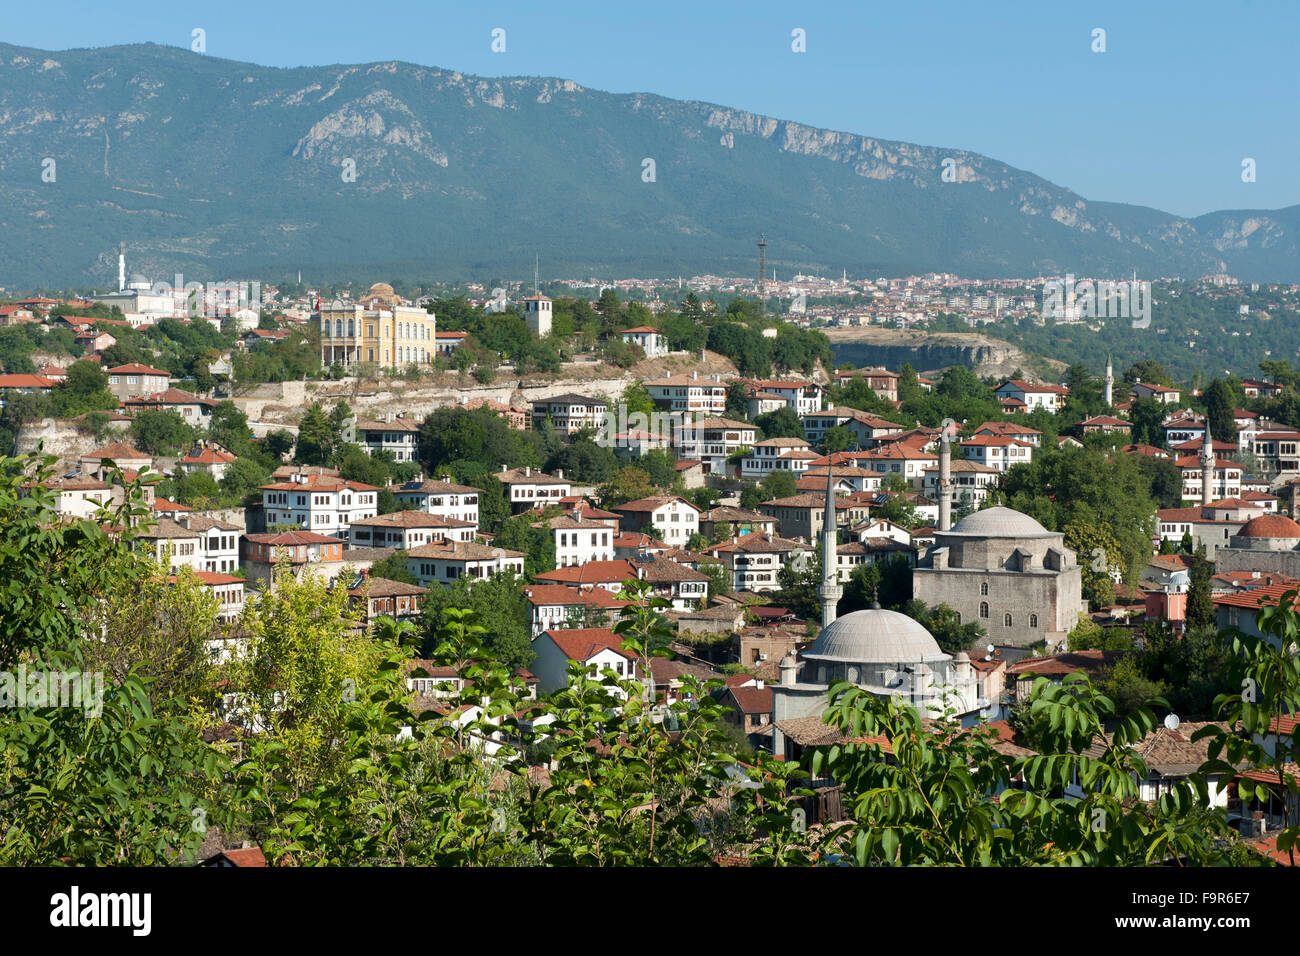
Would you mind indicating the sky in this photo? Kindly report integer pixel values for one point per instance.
(1182, 95)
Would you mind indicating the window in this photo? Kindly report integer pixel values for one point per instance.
(1033, 620)
(984, 589)
(984, 608)
(1006, 619)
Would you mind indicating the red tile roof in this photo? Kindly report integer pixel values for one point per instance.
(584, 643)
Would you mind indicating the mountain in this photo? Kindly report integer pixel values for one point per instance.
(215, 169)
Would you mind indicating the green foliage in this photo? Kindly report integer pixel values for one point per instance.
(782, 423)
(84, 390)
(394, 568)
(468, 442)
(163, 432)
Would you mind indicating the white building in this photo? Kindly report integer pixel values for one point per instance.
(653, 342)
(579, 541)
(712, 441)
(395, 434)
(998, 452)
(570, 414)
(442, 498)
(319, 503)
(538, 314)
(773, 454)
(688, 393)
(529, 487)
(408, 529)
(1050, 397)
(218, 542)
(595, 648)
(444, 562)
(676, 518)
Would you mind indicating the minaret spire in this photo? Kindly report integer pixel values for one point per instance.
(945, 479)
(830, 590)
(1110, 383)
(1207, 466)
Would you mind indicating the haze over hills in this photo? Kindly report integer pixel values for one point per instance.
(216, 168)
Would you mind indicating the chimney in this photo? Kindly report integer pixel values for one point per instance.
(760, 684)
(559, 473)
(695, 376)
(528, 471)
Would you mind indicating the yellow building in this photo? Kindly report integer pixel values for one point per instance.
(377, 330)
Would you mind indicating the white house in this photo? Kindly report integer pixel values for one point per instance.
(998, 452)
(579, 541)
(319, 503)
(442, 498)
(772, 454)
(408, 529)
(803, 397)
(570, 414)
(688, 393)
(528, 487)
(653, 342)
(595, 648)
(396, 434)
(675, 517)
(1050, 397)
(218, 541)
(444, 562)
(712, 441)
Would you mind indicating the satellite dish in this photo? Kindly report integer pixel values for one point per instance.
(1172, 722)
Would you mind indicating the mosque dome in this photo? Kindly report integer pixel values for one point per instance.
(875, 636)
(998, 522)
(1270, 526)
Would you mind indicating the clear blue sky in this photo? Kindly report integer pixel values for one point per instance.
(1184, 91)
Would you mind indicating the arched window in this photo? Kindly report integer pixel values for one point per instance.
(1033, 620)
(1006, 619)
(352, 328)
(984, 588)
(338, 328)
(984, 608)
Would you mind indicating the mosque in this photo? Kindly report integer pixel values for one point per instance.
(883, 652)
(993, 557)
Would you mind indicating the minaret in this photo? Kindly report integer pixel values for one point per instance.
(945, 480)
(830, 590)
(121, 267)
(1207, 466)
(1110, 383)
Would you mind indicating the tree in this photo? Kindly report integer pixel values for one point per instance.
(839, 438)
(1148, 417)
(1219, 410)
(317, 438)
(84, 390)
(629, 483)
(162, 432)
(719, 577)
(1200, 602)
(782, 423)
(500, 607)
(393, 568)
(525, 533)
(778, 483)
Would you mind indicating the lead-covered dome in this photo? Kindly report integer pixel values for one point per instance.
(875, 636)
(998, 522)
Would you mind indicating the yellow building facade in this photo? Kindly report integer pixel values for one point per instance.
(377, 331)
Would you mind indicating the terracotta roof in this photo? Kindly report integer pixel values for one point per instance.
(412, 519)
(318, 483)
(1058, 665)
(135, 368)
(385, 587)
(752, 700)
(653, 503)
(431, 487)
(1255, 597)
(541, 594)
(288, 539)
(592, 572)
(171, 396)
(584, 643)
(1270, 526)
(462, 551)
(21, 380)
(117, 451)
